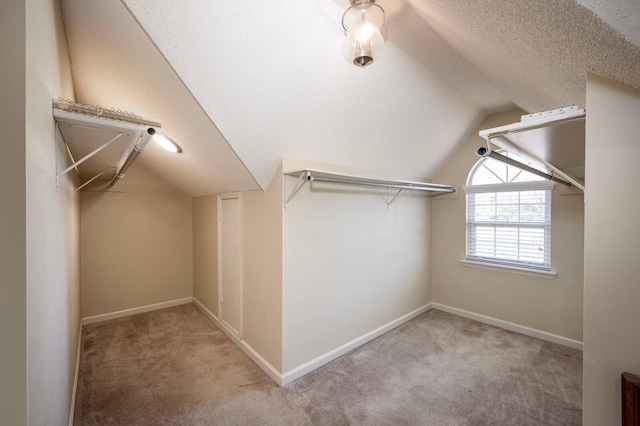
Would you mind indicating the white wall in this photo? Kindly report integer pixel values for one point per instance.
(350, 264)
(205, 251)
(261, 265)
(52, 224)
(13, 269)
(553, 306)
(262, 270)
(612, 235)
(136, 245)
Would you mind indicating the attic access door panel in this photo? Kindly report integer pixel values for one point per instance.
(554, 139)
(230, 269)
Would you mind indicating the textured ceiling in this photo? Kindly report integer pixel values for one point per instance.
(622, 15)
(537, 53)
(272, 78)
(115, 65)
(277, 86)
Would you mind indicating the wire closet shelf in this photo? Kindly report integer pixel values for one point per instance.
(310, 176)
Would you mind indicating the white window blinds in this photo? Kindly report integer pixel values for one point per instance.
(510, 222)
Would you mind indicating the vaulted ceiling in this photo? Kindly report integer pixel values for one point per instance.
(240, 85)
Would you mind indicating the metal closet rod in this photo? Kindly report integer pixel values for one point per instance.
(137, 150)
(484, 152)
(425, 187)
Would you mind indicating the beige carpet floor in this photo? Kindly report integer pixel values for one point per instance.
(174, 367)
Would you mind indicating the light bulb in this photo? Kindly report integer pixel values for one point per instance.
(364, 43)
(364, 33)
(167, 143)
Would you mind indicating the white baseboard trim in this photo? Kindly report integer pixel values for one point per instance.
(270, 370)
(318, 362)
(539, 334)
(133, 311)
(74, 391)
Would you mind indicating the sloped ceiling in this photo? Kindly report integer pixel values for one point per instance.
(622, 15)
(241, 85)
(115, 65)
(537, 53)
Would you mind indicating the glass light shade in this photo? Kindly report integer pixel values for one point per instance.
(364, 42)
(167, 143)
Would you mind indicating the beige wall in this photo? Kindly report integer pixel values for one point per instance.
(351, 264)
(52, 224)
(205, 251)
(553, 306)
(262, 270)
(13, 253)
(136, 245)
(612, 235)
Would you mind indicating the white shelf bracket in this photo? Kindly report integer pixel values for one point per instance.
(550, 166)
(394, 197)
(89, 155)
(73, 160)
(302, 180)
(91, 180)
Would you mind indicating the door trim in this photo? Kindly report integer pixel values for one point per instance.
(230, 196)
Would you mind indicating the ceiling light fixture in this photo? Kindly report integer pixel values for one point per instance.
(167, 143)
(362, 23)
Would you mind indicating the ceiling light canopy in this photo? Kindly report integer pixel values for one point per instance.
(362, 23)
(167, 143)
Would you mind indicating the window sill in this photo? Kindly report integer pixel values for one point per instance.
(549, 275)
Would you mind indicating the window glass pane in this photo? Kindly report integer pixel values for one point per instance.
(485, 213)
(512, 226)
(485, 198)
(533, 197)
(483, 176)
(507, 197)
(492, 171)
(507, 206)
(532, 213)
(507, 213)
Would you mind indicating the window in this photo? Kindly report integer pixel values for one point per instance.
(508, 215)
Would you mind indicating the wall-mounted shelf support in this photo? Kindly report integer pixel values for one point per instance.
(83, 128)
(309, 175)
(548, 137)
(522, 148)
(73, 160)
(394, 197)
(89, 155)
(482, 152)
(91, 180)
(302, 180)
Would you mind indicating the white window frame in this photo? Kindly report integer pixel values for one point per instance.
(519, 266)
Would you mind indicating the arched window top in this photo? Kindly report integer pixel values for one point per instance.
(508, 215)
(489, 171)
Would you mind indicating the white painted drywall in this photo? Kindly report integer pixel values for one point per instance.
(205, 251)
(116, 65)
(52, 224)
(13, 260)
(350, 263)
(304, 100)
(136, 245)
(262, 270)
(612, 267)
(554, 306)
